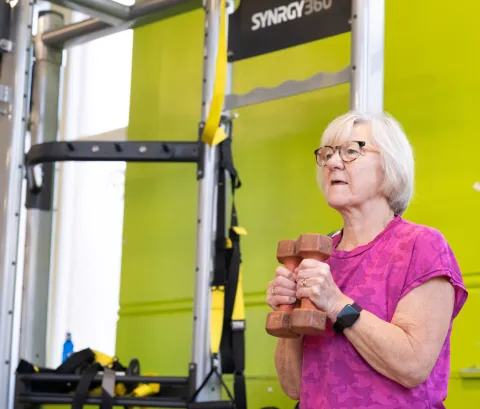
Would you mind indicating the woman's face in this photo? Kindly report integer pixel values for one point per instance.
(354, 184)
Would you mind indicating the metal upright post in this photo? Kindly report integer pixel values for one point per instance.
(367, 55)
(14, 99)
(206, 229)
(40, 194)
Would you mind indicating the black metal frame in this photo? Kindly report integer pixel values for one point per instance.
(4, 23)
(40, 191)
(91, 151)
(24, 397)
(175, 392)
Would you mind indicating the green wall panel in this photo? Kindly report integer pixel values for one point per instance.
(466, 351)
(431, 86)
(159, 229)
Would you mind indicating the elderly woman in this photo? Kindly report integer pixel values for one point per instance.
(390, 289)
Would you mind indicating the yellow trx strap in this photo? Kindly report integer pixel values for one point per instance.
(147, 389)
(104, 359)
(216, 319)
(218, 300)
(213, 134)
(239, 306)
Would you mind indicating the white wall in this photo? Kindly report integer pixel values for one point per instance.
(87, 262)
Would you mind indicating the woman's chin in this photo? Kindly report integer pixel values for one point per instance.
(337, 202)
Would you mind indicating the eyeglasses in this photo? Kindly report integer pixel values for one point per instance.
(348, 152)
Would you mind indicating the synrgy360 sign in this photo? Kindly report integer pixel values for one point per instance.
(263, 26)
(291, 11)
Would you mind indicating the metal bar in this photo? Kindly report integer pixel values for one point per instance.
(91, 151)
(71, 378)
(288, 89)
(469, 373)
(368, 38)
(212, 405)
(207, 195)
(109, 11)
(39, 223)
(141, 14)
(60, 399)
(80, 33)
(14, 73)
(152, 402)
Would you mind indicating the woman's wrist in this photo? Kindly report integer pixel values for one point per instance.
(342, 301)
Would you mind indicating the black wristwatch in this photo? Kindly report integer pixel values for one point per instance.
(347, 317)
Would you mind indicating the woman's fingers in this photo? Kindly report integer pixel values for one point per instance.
(283, 272)
(284, 282)
(283, 299)
(282, 291)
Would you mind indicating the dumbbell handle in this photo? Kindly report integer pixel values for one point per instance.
(278, 321)
(306, 303)
(290, 263)
(308, 319)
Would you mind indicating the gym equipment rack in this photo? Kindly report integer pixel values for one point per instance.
(30, 68)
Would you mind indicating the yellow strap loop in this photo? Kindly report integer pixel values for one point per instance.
(213, 134)
(147, 389)
(103, 359)
(238, 313)
(241, 231)
(216, 322)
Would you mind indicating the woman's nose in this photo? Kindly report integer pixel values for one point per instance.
(335, 161)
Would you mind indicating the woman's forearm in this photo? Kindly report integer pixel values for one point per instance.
(388, 349)
(288, 363)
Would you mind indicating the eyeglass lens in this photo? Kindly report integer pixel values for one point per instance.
(348, 153)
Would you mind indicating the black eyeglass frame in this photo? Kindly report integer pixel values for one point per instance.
(361, 144)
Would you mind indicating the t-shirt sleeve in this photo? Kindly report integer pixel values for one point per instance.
(432, 257)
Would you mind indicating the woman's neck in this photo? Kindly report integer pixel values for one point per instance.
(361, 226)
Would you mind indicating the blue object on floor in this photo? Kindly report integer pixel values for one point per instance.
(67, 347)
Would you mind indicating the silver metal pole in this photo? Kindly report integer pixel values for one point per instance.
(106, 10)
(207, 193)
(80, 33)
(14, 77)
(368, 37)
(39, 222)
(141, 14)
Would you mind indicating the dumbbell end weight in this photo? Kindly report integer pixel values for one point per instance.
(308, 319)
(279, 322)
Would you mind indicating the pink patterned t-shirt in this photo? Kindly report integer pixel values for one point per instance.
(377, 275)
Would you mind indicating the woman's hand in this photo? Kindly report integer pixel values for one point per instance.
(282, 289)
(314, 281)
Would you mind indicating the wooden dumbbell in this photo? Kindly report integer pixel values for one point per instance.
(308, 319)
(278, 322)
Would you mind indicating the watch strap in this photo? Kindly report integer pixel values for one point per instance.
(356, 307)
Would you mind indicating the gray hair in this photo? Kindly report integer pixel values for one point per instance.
(395, 152)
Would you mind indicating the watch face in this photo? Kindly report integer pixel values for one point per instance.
(348, 315)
